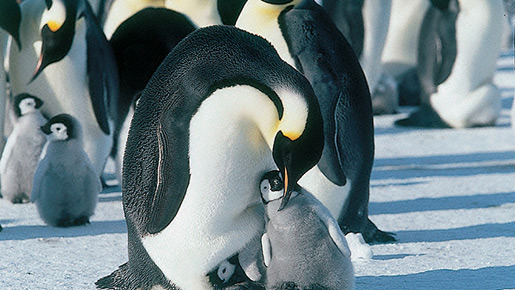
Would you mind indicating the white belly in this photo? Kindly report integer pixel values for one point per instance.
(222, 209)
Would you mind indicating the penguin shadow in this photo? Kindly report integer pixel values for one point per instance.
(96, 228)
(482, 278)
(442, 203)
(484, 231)
(110, 194)
(445, 165)
(394, 257)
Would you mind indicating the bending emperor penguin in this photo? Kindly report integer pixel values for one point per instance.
(67, 62)
(65, 186)
(303, 245)
(22, 150)
(222, 107)
(306, 38)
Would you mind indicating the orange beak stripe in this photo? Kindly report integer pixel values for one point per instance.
(285, 182)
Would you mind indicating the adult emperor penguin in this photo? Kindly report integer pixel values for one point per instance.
(303, 245)
(10, 19)
(307, 39)
(70, 67)
(436, 56)
(22, 150)
(140, 44)
(65, 186)
(221, 107)
(468, 97)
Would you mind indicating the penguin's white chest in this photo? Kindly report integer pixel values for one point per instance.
(221, 211)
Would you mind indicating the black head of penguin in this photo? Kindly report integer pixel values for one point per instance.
(10, 19)
(20, 97)
(68, 121)
(56, 39)
(208, 59)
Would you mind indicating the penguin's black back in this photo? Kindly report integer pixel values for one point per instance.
(328, 61)
(208, 59)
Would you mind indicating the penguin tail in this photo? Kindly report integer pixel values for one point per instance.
(116, 280)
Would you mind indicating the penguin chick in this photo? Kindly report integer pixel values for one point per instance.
(303, 244)
(22, 150)
(65, 186)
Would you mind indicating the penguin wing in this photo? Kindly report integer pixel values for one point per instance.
(327, 60)
(8, 148)
(332, 226)
(267, 249)
(173, 174)
(39, 175)
(102, 72)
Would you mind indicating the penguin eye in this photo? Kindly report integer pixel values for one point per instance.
(225, 271)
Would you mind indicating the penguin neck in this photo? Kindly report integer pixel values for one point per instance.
(263, 19)
(201, 12)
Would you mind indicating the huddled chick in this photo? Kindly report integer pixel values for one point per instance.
(23, 149)
(303, 245)
(66, 186)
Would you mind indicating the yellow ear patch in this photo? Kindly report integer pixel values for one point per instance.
(292, 135)
(54, 25)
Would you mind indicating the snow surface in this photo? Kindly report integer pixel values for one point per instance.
(448, 194)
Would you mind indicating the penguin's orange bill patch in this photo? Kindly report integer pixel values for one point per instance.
(54, 25)
(292, 135)
(285, 182)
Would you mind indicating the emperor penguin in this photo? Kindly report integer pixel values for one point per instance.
(23, 149)
(303, 245)
(10, 19)
(467, 97)
(221, 107)
(140, 44)
(66, 186)
(70, 67)
(306, 38)
(436, 56)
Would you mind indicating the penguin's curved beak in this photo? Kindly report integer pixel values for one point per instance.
(294, 158)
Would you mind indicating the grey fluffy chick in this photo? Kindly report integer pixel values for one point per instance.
(303, 246)
(22, 150)
(66, 186)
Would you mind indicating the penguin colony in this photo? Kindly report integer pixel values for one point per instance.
(280, 104)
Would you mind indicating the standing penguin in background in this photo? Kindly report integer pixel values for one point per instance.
(221, 107)
(66, 187)
(67, 62)
(303, 245)
(468, 97)
(22, 150)
(10, 19)
(306, 38)
(140, 44)
(436, 56)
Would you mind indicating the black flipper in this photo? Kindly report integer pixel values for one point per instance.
(102, 71)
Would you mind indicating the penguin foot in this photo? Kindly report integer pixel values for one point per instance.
(66, 222)
(372, 234)
(385, 96)
(116, 280)
(424, 117)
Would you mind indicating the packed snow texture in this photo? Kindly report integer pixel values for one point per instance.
(448, 194)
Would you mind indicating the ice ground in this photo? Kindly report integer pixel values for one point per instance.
(448, 194)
